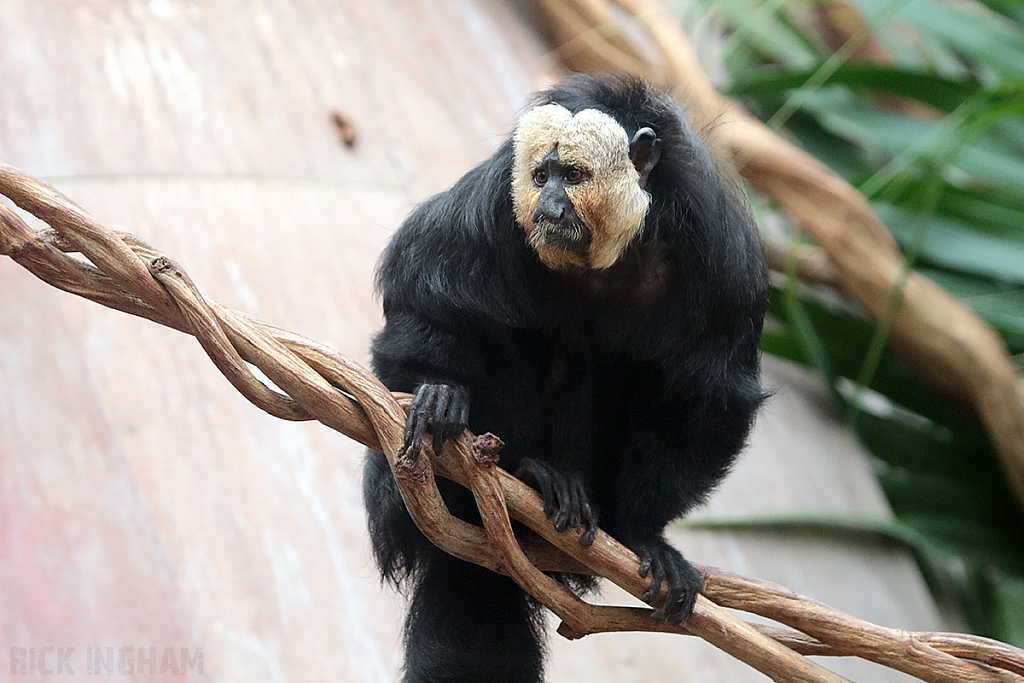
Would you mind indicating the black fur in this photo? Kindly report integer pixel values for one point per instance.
(639, 383)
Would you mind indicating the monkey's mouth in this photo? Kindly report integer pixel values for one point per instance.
(571, 236)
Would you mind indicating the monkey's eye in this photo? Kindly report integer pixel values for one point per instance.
(540, 176)
(574, 175)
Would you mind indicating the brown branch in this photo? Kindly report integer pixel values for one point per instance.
(810, 263)
(126, 274)
(894, 648)
(576, 29)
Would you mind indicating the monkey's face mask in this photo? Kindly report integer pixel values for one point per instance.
(577, 185)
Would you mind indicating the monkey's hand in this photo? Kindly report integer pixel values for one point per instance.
(564, 496)
(665, 564)
(445, 407)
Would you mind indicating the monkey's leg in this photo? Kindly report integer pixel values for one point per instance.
(467, 624)
(665, 564)
(396, 541)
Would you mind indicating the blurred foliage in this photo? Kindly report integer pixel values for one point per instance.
(930, 128)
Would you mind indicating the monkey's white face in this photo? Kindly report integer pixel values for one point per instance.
(589, 154)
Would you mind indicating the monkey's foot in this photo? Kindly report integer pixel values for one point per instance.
(665, 564)
(565, 498)
(445, 407)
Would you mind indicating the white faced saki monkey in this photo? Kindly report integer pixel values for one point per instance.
(594, 295)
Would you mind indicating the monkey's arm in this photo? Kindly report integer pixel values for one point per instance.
(436, 362)
(452, 271)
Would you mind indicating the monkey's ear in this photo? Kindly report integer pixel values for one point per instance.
(644, 152)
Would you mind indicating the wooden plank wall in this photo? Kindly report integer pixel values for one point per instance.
(143, 502)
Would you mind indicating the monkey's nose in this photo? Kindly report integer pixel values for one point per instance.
(548, 214)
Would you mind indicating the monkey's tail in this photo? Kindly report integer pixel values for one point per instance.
(467, 624)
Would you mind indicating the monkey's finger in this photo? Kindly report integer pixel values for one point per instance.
(687, 605)
(589, 525)
(442, 397)
(579, 499)
(531, 470)
(684, 583)
(455, 414)
(442, 401)
(657, 578)
(415, 424)
(463, 412)
(550, 504)
(425, 396)
(645, 566)
(422, 405)
(672, 609)
(564, 502)
(677, 607)
(437, 442)
(416, 429)
(419, 414)
(684, 606)
(693, 581)
(568, 506)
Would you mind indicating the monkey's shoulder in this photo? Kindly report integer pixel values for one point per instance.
(460, 253)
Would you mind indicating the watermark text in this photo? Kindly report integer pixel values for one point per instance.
(105, 661)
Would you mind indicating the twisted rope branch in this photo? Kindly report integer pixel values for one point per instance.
(122, 272)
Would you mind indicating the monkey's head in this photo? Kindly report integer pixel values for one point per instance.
(578, 185)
